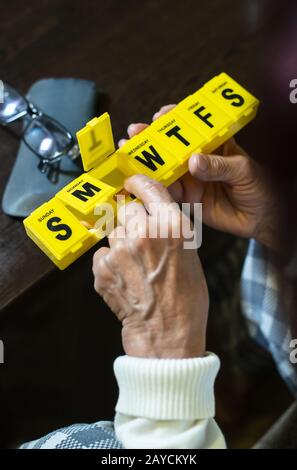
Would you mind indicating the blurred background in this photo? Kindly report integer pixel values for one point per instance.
(60, 339)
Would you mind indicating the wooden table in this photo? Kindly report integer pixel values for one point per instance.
(143, 54)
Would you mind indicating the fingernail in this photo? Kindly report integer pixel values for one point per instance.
(131, 127)
(156, 115)
(122, 142)
(198, 161)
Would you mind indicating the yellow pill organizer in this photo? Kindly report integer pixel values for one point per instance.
(200, 123)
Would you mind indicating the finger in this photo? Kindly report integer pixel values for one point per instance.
(122, 142)
(133, 217)
(150, 191)
(233, 148)
(165, 109)
(215, 167)
(187, 189)
(98, 255)
(102, 273)
(132, 130)
(228, 148)
(193, 188)
(117, 234)
(176, 191)
(135, 129)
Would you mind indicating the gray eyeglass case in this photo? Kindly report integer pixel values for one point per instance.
(72, 102)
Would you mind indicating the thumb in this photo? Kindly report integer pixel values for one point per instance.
(214, 168)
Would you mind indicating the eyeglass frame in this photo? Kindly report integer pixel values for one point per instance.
(72, 149)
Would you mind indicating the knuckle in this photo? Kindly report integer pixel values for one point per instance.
(219, 166)
(243, 165)
(244, 162)
(153, 185)
(102, 274)
(98, 255)
(117, 251)
(103, 277)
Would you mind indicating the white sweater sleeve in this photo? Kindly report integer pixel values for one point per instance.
(167, 403)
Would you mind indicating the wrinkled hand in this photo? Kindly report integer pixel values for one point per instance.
(235, 193)
(155, 286)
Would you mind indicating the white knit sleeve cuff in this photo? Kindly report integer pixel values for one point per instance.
(167, 389)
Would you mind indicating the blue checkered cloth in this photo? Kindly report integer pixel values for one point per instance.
(98, 435)
(266, 310)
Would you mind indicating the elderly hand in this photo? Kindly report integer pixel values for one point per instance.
(155, 286)
(235, 193)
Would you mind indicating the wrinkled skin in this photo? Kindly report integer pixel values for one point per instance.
(155, 287)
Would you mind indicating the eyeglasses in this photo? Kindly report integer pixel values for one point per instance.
(46, 137)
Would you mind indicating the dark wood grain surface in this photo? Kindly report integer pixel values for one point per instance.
(143, 54)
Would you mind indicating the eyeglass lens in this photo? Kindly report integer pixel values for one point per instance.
(47, 138)
(14, 105)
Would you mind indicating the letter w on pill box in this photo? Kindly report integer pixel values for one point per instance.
(200, 123)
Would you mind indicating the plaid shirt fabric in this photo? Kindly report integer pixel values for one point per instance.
(266, 310)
